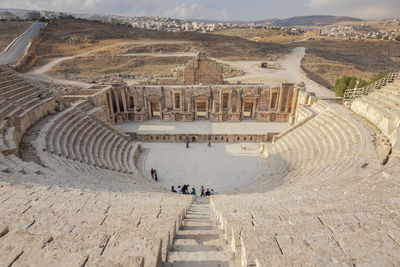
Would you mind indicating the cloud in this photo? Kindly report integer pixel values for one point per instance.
(366, 9)
(217, 9)
(183, 10)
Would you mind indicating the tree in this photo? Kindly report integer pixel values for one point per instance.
(347, 82)
(398, 38)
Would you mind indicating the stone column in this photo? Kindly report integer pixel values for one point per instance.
(242, 111)
(253, 115)
(294, 101)
(280, 99)
(123, 96)
(230, 102)
(181, 100)
(288, 102)
(116, 100)
(238, 97)
(149, 109)
(207, 113)
(220, 102)
(110, 101)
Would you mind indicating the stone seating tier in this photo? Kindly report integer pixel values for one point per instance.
(21, 105)
(326, 145)
(101, 146)
(47, 226)
(382, 109)
(316, 222)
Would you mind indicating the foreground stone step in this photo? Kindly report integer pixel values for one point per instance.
(203, 256)
(194, 248)
(198, 242)
(197, 264)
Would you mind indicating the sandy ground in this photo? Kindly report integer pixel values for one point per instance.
(202, 127)
(286, 69)
(223, 167)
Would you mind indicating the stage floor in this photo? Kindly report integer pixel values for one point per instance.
(222, 167)
(202, 127)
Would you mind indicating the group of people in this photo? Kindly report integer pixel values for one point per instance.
(153, 174)
(184, 189)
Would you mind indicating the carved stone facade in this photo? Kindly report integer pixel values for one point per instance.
(202, 70)
(213, 102)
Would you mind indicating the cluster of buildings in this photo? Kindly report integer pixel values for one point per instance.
(177, 25)
(362, 32)
(32, 15)
(28, 14)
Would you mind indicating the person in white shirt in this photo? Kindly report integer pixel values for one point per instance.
(179, 191)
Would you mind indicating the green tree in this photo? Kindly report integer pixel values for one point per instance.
(347, 82)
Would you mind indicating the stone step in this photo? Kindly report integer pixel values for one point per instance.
(194, 248)
(196, 227)
(200, 256)
(197, 264)
(196, 223)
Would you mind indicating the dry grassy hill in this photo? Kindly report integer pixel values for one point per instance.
(9, 30)
(67, 36)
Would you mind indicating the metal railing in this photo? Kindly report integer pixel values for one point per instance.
(351, 94)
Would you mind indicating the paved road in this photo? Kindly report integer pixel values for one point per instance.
(16, 50)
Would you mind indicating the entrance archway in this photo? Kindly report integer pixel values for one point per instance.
(155, 109)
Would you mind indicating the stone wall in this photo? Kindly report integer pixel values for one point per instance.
(202, 70)
(225, 102)
(204, 138)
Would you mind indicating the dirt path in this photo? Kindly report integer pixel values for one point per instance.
(286, 69)
(177, 54)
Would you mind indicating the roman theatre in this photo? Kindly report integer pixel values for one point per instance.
(299, 178)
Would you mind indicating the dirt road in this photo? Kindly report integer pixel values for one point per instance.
(286, 69)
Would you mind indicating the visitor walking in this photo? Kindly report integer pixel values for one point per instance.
(202, 191)
(152, 173)
(208, 192)
(193, 191)
(187, 143)
(209, 144)
(173, 189)
(155, 175)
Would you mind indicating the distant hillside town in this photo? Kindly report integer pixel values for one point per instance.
(352, 30)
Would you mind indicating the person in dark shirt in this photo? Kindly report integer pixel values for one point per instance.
(208, 192)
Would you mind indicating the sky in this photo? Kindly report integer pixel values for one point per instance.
(218, 9)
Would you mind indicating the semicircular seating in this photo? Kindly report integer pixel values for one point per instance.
(60, 208)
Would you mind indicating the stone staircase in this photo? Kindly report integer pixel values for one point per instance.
(199, 242)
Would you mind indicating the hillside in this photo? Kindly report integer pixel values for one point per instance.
(317, 20)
